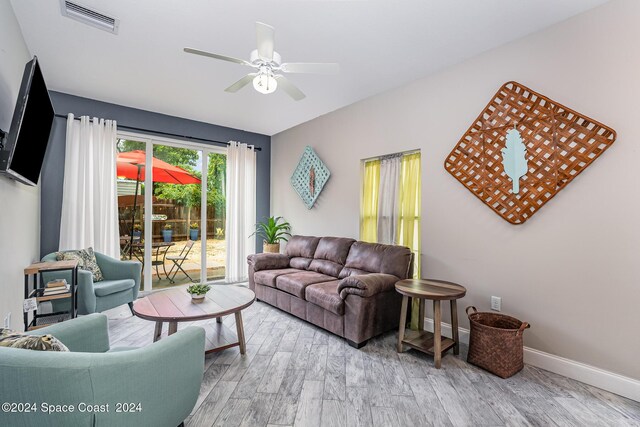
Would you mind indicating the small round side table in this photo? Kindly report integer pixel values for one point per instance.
(427, 342)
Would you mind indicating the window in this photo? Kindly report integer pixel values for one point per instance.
(390, 204)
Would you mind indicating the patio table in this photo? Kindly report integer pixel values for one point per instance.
(159, 252)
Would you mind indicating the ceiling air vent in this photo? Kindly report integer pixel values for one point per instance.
(89, 16)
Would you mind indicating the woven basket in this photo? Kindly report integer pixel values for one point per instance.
(270, 248)
(496, 343)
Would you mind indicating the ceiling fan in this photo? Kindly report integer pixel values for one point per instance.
(268, 65)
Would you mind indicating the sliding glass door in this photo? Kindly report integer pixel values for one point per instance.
(175, 222)
(216, 215)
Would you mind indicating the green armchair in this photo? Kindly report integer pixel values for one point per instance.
(163, 378)
(120, 285)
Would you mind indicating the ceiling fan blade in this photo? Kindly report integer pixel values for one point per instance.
(216, 56)
(289, 87)
(241, 83)
(265, 35)
(310, 67)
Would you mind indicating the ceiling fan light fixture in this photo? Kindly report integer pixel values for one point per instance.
(265, 83)
(267, 66)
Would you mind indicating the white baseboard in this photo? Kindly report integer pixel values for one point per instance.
(606, 380)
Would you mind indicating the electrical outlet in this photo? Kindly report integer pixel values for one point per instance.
(496, 303)
(7, 320)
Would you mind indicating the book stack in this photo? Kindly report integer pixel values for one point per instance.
(56, 287)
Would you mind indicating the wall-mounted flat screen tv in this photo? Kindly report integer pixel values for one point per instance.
(26, 143)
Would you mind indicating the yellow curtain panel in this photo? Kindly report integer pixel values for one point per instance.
(369, 205)
(409, 217)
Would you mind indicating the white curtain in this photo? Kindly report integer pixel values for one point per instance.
(241, 209)
(89, 200)
(388, 199)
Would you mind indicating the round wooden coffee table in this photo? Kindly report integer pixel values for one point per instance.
(427, 342)
(174, 305)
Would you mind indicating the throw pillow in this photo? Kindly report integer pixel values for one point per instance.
(86, 261)
(15, 339)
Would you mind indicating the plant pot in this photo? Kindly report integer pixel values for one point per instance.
(271, 248)
(193, 234)
(197, 298)
(137, 234)
(167, 235)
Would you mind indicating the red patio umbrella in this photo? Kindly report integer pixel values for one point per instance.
(131, 165)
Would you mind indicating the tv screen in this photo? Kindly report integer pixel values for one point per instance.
(27, 140)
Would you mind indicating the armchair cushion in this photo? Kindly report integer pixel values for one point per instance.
(86, 261)
(14, 339)
(267, 261)
(108, 287)
(366, 285)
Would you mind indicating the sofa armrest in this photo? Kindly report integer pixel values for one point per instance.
(366, 285)
(266, 261)
(87, 334)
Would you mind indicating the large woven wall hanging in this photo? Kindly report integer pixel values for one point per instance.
(558, 144)
(309, 177)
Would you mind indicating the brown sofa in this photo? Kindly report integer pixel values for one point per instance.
(339, 284)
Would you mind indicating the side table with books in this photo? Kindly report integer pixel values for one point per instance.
(36, 292)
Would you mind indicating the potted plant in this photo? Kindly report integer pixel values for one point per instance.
(198, 292)
(193, 231)
(219, 233)
(137, 231)
(167, 233)
(273, 231)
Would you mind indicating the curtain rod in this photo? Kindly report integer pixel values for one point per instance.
(399, 153)
(160, 133)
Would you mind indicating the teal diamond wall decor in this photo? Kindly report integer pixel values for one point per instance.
(309, 177)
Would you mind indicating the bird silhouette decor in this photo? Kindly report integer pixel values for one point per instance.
(514, 158)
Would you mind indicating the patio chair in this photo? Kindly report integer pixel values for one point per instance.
(177, 262)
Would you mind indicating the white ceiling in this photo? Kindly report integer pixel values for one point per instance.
(379, 45)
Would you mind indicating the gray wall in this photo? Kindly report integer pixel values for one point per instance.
(51, 179)
(554, 270)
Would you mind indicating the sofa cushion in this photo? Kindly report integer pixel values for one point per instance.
(296, 283)
(15, 339)
(86, 261)
(335, 249)
(330, 255)
(268, 277)
(108, 287)
(377, 258)
(301, 246)
(300, 262)
(326, 295)
(326, 267)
